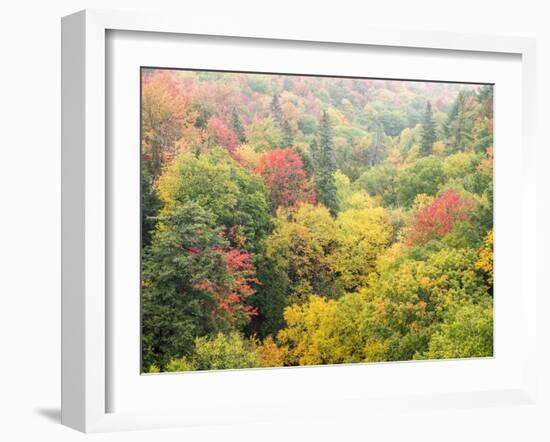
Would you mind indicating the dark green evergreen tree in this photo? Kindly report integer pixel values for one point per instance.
(288, 137)
(376, 151)
(238, 126)
(457, 127)
(314, 150)
(277, 112)
(150, 206)
(307, 159)
(428, 131)
(326, 166)
(270, 298)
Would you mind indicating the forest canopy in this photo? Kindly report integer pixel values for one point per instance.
(299, 220)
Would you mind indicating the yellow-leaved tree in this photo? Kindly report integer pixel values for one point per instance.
(485, 260)
(300, 247)
(360, 236)
(325, 331)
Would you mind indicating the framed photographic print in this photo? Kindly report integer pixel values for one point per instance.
(262, 223)
(291, 220)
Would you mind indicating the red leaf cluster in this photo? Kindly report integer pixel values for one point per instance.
(222, 133)
(241, 266)
(231, 295)
(283, 171)
(440, 217)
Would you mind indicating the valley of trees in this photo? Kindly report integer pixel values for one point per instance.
(295, 220)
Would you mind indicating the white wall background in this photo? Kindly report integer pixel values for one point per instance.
(30, 216)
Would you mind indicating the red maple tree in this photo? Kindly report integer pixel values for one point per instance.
(283, 171)
(232, 293)
(440, 217)
(222, 133)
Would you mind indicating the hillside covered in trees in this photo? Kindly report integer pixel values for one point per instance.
(295, 220)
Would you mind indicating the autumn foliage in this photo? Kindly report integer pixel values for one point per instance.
(293, 220)
(283, 171)
(241, 266)
(439, 218)
(222, 134)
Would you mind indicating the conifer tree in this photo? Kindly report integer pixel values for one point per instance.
(288, 138)
(428, 131)
(326, 166)
(314, 150)
(456, 127)
(376, 149)
(238, 126)
(277, 112)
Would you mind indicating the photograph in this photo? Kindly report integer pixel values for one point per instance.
(298, 220)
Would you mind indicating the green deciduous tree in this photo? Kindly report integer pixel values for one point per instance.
(217, 183)
(381, 180)
(307, 124)
(410, 299)
(393, 121)
(263, 135)
(222, 351)
(300, 247)
(183, 253)
(466, 333)
(423, 176)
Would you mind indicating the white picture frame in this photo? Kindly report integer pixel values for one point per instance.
(85, 209)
